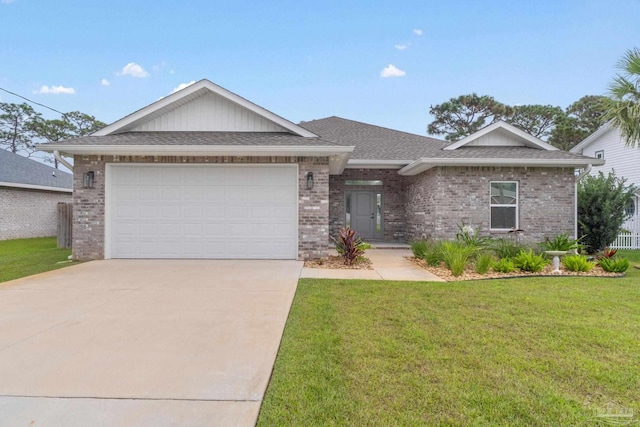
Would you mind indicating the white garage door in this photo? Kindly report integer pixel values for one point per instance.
(202, 211)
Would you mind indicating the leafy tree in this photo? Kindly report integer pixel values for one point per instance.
(72, 125)
(624, 109)
(465, 115)
(17, 128)
(581, 119)
(537, 120)
(82, 124)
(601, 209)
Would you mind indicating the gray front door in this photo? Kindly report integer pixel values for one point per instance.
(366, 212)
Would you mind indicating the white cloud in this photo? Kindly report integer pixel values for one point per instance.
(182, 86)
(391, 71)
(134, 70)
(55, 90)
(401, 46)
(105, 82)
(417, 32)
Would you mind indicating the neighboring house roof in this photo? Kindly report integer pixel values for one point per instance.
(593, 137)
(20, 172)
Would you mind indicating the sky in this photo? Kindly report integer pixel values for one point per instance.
(378, 62)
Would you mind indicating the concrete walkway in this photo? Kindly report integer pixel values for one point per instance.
(388, 264)
(142, 342)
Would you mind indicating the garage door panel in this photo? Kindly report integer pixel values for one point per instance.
(209, 211)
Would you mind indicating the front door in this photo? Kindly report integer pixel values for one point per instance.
(366, 214)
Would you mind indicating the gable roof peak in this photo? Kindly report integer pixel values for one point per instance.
(189, 94)
(509, 135)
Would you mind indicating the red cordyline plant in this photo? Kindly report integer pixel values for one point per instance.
(349, 245)
(607, 253)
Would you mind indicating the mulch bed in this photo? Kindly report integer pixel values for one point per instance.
(337, 262)
(470, 274)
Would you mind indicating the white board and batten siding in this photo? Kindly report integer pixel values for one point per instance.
(625, 161)
(209, 112)
(496, 139)
(202, 211)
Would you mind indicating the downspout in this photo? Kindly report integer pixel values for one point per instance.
(584, 173)
(59, 158)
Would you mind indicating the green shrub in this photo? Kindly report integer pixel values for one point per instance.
(560, 242)
(483, 263)
(528, 261)
(420, 248)
(504, 265)
(602, 201)
(433, 256)
(469, 237)
(504, 248)
(349, 245)
(614, 265)
(577, 263)
(456, 256)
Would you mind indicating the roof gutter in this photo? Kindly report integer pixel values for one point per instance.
(424, 164)
(59, 158)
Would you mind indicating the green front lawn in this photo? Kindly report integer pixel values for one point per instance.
(514, 352)
(24, 257)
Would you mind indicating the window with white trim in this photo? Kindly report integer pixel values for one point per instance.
(504, 205)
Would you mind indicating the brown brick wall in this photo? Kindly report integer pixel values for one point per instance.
(89, 207)
(26, 213)
(393, 199)
(461, 194)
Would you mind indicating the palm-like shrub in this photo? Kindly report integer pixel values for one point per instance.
(560, 242)
(528, 261)
(614, 265)
(578, 263)
(504, 265)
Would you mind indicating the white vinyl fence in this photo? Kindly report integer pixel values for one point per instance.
(630, 237)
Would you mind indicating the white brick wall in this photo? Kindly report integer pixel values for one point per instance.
(29, 213)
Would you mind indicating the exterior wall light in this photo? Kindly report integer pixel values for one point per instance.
(309, 180)
(87, 179)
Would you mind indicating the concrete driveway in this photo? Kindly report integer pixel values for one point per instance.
(142, 342)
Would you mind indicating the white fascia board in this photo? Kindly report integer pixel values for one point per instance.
(422, 165)
(532, 140)
(377, 164)
(35, 187)
(200, 150)
(588, 140)
(189, 90)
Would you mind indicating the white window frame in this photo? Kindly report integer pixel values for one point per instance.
(516, 206)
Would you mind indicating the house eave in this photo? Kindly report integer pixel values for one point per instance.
(338, 155)
(588, 140)
(424, 164)
(35, 187)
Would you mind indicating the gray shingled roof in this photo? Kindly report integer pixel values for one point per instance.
(199, 138)
(375, 142)
(378, 143)
(20, 170)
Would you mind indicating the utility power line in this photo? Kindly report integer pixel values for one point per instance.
(33, 102)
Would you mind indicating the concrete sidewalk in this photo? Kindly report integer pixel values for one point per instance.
(388, 264)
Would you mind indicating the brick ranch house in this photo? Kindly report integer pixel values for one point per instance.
(29, 195)
(205, 173)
